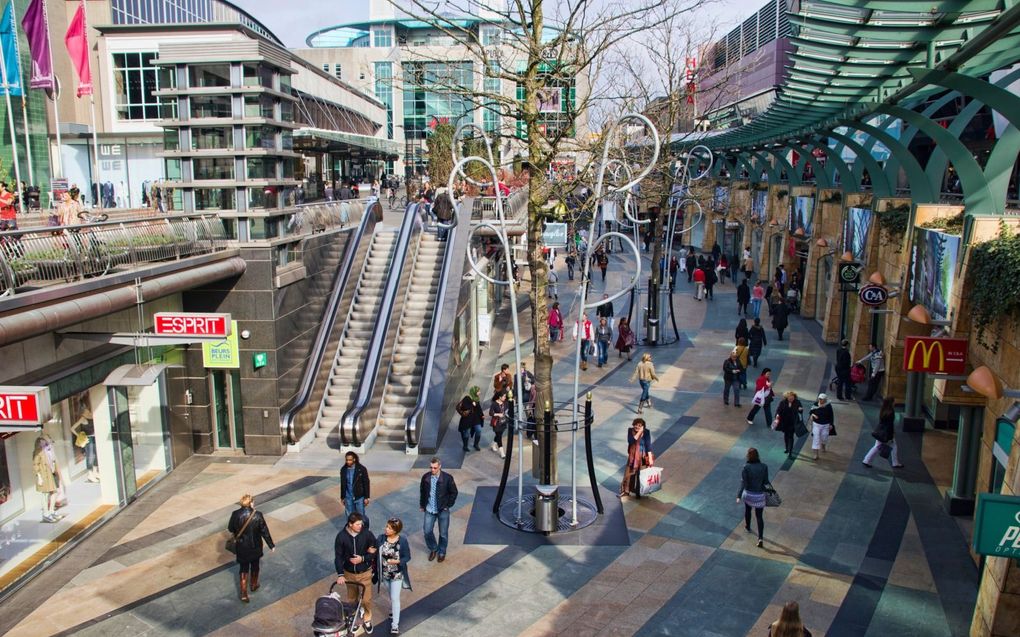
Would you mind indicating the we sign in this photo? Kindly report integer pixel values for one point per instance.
(24, 406)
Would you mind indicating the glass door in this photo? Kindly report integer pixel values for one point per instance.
(824, 276)
(226, 406)
(122, 443)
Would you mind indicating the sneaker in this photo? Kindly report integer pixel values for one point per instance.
(750, 422)
(534, 441)
(368, 627)
(502, 454)
(495, 447)
(50, 519)
(761, 543)
(394, 630)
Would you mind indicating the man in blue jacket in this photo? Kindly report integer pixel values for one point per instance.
(438, 495)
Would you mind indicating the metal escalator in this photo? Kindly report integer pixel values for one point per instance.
(298, 413)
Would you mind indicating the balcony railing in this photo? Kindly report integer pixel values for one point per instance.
(40, 257)
(515, 207)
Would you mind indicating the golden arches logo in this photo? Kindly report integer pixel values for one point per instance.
(927, 349)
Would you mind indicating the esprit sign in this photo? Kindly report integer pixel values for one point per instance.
(191, 324)
(24, 406)
(997, 525)
(873, 295)
(935, 355)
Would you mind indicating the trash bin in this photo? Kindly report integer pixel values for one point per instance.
(547, 505)
(653, 331)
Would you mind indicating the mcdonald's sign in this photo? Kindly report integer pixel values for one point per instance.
(935, 355)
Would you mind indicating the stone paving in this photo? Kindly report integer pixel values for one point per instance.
(864, 551)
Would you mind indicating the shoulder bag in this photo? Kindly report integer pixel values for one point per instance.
(772, 498)
(231, 545)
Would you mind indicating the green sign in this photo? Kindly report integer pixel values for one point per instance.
(259, 360)
(997, 525)
(223, 354)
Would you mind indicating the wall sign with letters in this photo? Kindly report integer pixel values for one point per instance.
(935, 355)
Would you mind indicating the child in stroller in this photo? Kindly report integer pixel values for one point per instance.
(336, 618)
(793, 300)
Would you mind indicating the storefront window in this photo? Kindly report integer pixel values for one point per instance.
(214, 199)
(210, 106)
(211, 138)
(209, 75)
(214, 168)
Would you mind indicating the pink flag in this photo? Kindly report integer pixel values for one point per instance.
(78, 47)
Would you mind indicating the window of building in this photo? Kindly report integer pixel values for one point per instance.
(325, 67)
(490, 36)
(171, 139)
(260, 137)
(287, 140)
(172, 168)
(435, 91)
(136, 80)
(261, 168)
(257, 75)
(263, 197)
(210, 106)
(208, 75)
(382, 37)
(288, 253)
(204, 138)
(214, 199)
(213, 168)
(285, 83)
(384, 92)
(287, 111)
(338, 71)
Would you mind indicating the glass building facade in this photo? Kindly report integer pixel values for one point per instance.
(185, 12)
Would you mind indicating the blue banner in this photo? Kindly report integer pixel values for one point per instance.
(8, 35)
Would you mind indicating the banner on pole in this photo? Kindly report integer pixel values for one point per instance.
(34, 24)
(8, 40)
(77, 43)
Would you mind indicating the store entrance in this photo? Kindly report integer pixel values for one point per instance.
(226, 405)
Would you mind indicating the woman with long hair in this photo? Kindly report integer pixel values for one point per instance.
(645, 374)
(753, 480)
(762, 388)
(885, 434)
(789, 623)
(639, 455)
(625, 339)
(394, 553)
(741, 331)
(249, 530)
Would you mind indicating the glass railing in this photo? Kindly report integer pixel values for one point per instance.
(515, 207)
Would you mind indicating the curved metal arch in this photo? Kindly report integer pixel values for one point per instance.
(971, 177)
(823, 174)
(740, 159)
(922, 190)
(1001, 160)
(846, 175)
(792, 176)
(723, 163)
(879, 182)
(766, 165)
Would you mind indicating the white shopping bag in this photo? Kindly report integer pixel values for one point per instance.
(650, 480)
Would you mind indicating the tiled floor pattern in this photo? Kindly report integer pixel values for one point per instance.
(865, 552)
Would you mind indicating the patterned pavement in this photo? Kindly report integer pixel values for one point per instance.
(864, 552)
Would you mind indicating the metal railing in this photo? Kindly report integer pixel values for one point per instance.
(515, 207)
(320, 216)
(34, 258)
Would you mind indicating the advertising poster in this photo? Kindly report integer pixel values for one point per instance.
(759, 198)
(721, 199)
(855, 231)
(934, 261)
(549, 100)
(802, 214)
(5, 475)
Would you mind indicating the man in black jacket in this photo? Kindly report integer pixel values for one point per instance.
(844, 387)
(354, 553)
(743, 297)
(355, 488)
(438, 495)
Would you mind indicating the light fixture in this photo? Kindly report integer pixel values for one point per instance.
(799, 232)
(983, 381)
(245, 334)
(822, 243)
(876, 278)
(919, 314)
(847, 256)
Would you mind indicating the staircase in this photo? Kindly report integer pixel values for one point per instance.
(403, 382)
(348, 364)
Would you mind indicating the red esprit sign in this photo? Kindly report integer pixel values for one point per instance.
(935, 355)
(191, 324)
(24, 406)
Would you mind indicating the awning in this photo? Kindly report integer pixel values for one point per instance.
(340, 141)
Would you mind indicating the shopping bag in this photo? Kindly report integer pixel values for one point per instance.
(800, 429)
(759, 397)
(650, 480)
(885, 450)
(772, 498)
(858, 373)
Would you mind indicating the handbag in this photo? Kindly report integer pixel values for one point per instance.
(650, 480)
(759, 397)
(799, 428)
(81, 439)
(885, 450)
(231, 544)
(772, 498)
(832, 429)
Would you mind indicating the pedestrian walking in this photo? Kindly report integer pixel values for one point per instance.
(748, 263)
(603, 337)
(716, 251)
(756, 341)
(844, 386)
(603, 261)
(743, 297)
(571, 261)
(625, 339)
(822, 423)
(249, 530)
(497, 420)
(741, 331)
(788, 415)
(437, 495)
(789, 623)
(355, 487)
(639, 456)
(763, 396)
(645, 374)
(587, 335)
(723, 269)
(734, 267)
(555, 323)
(527, 384)
(731, 379)
(691, 264)
(674, 267)
(503, 381)
(699, 283)
(354, 553)
(757, 296)
(876, 361)
(552, 290)
(605, 310)
(741, 351)
(754, 477)
(394, 552)
(470, 418)
(780, 318)
(710, 280)
(885, 436)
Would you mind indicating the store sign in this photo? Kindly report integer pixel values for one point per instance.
(935, 355)
(849, 272)
(191, 324)
(873, 295)
(24, 406)
(997, 525)
(259, 360)
(555, 235)
(223, 354)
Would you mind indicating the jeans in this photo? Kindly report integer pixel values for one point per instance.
(873, 383)
(444, 531)
(584, 350)
(395, 586)
(441, 233)
(570, 272)
(91, 461)
(554, 333)
(356, 505)
(645, 386)
(735, 384)
(756, 308)
(603, 348)
(475, 432)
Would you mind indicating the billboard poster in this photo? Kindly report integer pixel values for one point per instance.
(802, 214)
(934, 259)
(759, 198)
(549, 99)
(5, 475)
(855, 231)
(721, 199)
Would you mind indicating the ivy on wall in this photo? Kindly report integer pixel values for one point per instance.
(949, 225)
(833, 197)
(995, 292)
(894, 222)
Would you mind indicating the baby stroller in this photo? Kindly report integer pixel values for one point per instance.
(336, 618)
(793, 301)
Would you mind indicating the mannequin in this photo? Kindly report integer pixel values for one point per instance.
(44, 465)
(84, 431)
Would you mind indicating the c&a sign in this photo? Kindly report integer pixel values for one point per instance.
(935, 355)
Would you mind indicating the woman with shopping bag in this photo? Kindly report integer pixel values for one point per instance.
(885, 436)
(762, 397)
(754, 481)
(639, 456)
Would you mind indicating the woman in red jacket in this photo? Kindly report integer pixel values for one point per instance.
(763, 392)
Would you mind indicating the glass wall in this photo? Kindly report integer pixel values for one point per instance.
(261, 168)
(136, 79)
(208, 75)
(214, 199)
(214, 168)
(260, 137)
(210, 106)
(207, 138)
(259, 106)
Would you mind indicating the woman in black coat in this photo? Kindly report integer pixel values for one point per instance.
(249, 529)
(741, 331)
(779, 318)
(788, 414)
(756, 341)
(471, 418)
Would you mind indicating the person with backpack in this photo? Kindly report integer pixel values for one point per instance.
(470, 418)
(731, 378)
(394, 552)
(249, 529)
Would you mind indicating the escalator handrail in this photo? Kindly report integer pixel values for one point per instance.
(366, 386)
(411, 429)
(372, 212)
